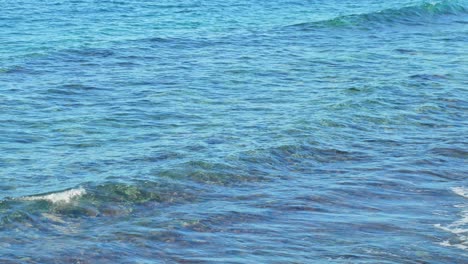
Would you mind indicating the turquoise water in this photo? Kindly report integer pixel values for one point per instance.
(233, 131)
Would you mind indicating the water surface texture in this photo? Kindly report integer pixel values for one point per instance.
(233, 131)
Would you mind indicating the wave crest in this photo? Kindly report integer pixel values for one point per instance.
(459, 228)
(58, 197)
(410, 15)
(461, 191)
(93, 200)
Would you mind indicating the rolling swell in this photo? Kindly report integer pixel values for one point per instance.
(410, 15)
(183, 184)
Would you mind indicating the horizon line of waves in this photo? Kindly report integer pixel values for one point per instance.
(409, 15)
(459, 228)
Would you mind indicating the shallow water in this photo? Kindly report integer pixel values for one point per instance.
(233, 131)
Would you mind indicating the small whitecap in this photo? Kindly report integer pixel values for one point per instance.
(458, 228)
(462, 191)
(446, 243)
(59, 197)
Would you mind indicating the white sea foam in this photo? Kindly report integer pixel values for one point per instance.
(460, 227)
(59, 197)
(462, 191)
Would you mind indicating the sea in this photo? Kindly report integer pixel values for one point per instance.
(222, 131)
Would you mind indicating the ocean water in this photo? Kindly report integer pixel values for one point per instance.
(233, 131)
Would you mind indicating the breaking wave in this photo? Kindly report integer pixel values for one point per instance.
(93, 200)
(58, 197)
(459, 228)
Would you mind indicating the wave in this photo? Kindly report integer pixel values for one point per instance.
(182, 184)
(309, 153)
(93, 200)
(461, 191)
(58, 197)
(458, 228)
(410, 15)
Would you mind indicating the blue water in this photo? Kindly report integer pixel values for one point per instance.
(233, 131)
